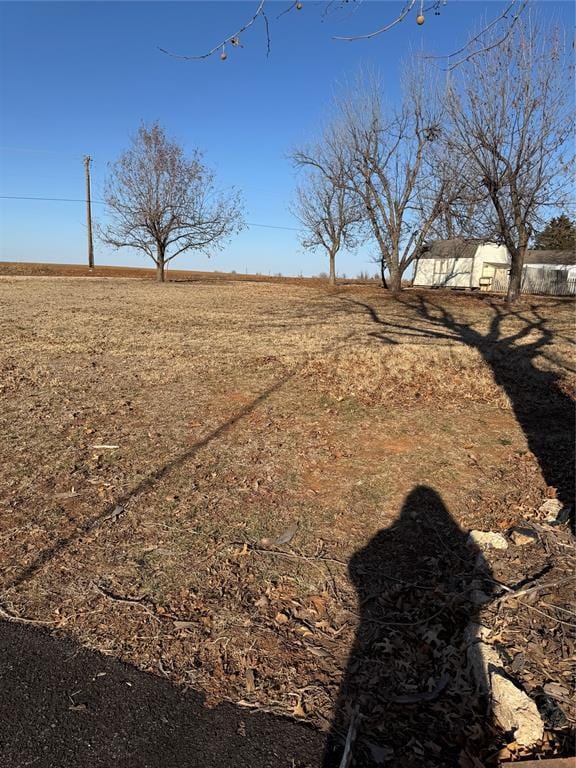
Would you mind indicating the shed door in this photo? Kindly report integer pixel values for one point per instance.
(441, 270)
(488, 272)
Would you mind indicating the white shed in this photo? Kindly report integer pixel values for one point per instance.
(459, 263)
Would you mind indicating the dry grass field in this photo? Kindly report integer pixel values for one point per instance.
(37, 269)
(188, 469)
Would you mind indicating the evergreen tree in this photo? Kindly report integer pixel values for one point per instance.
(558, 235)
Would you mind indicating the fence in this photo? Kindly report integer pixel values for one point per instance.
(546, 282)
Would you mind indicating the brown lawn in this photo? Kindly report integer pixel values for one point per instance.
(155, 441)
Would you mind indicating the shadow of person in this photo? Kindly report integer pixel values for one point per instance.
(407, 697)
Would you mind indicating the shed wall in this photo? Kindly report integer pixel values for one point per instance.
(487, 253)
(448, 273)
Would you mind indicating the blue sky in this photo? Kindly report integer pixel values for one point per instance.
(78, 77)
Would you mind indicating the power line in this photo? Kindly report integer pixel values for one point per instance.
(272, 226)
(31, 150)
(102, 202)
(51, 199)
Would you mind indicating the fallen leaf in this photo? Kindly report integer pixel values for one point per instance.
(250, 687)
(66, 494)
(319, 603)
(183, 624)
(284, 538)
(318, 651)
(288, 534)
(299, 710)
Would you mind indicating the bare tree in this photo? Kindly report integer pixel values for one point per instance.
(386, 159)
(329, 216)
(511, 123)
(164, 204)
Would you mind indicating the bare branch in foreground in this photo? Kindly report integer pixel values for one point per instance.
(233, 39)
(409, 5)
(401, 16)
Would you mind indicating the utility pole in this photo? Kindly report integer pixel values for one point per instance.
(87, 161)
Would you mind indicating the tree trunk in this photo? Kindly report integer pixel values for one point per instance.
(160, 264)
(332, 268)
(516, 268)
(395, 280)
(383, 273)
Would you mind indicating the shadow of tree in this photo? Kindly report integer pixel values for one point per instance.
(407, 697)
(543, 410)
(60, 545)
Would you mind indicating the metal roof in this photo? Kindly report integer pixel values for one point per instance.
(558, 258)
(456, 248)
(459, 248)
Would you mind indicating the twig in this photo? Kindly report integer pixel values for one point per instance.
(287, 10)
(230, 39)
(292, 555)
(552, 618)
(558, 608)
(500, 584)
(351, 735)
(416, 698)
(487, 48)
(409, 623)
(478, 37)
(401, 16)
(22, 620)
(132, 601)
(537, 588)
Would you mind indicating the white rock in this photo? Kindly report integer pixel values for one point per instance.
(551, 505)
(476, 632)
(551, 509)
(487, 540)
(478, 597)
(555, 512)
(522, 537)
(515, 711)
(512, 708)
(482, 657)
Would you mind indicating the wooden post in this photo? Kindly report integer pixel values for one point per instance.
(87, 160)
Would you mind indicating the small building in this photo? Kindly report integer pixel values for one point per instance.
(473, 264)
(550, 272)
(460, 263)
